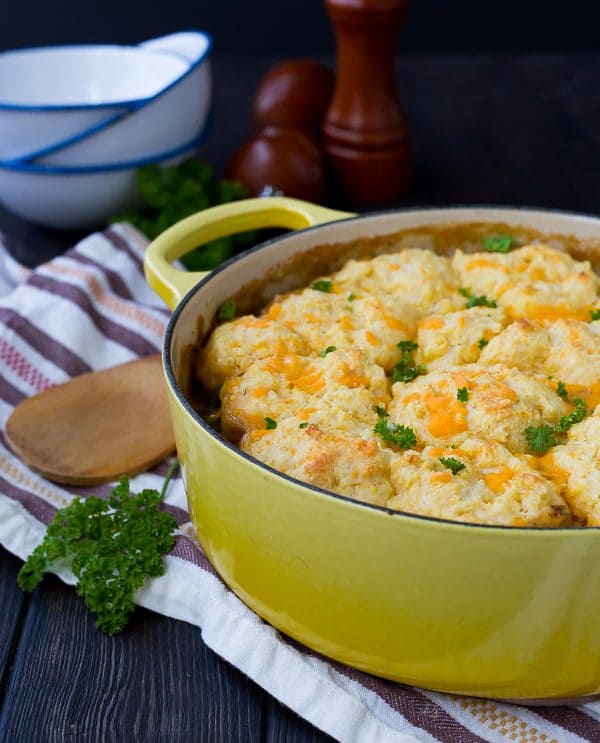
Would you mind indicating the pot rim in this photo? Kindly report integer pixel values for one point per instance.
(198, 419)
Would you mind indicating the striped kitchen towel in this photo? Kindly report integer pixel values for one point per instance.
(90, 309)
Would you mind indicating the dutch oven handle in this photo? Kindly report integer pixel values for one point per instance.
(172, 284)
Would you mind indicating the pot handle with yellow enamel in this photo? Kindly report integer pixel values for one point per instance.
(172, 285)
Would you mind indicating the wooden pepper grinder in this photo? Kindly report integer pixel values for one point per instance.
(365, 135)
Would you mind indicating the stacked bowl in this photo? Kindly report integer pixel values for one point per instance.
(76, 122)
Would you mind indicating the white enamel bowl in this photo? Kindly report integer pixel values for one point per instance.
(98, 105)
(77, 197)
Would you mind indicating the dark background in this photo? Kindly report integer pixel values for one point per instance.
(301, 26)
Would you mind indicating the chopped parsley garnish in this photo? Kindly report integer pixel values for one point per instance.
(168, 194)
(323, 285)
(381, 411)
(561, 390)
(575, 416)
(499, 243)
(395, 434)
(227, 310)
(482, 342)
(405, 346)
(476, 301)
(540, 438)
(113, 545)
(351, 297)
(454, 465)
(405, 370)
(270, 424)
(303, 425)
(463, 394)
(595, 315)
(329, 349)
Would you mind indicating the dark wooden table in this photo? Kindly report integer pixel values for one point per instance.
(486, 130)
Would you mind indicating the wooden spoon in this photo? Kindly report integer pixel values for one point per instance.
(97, 427)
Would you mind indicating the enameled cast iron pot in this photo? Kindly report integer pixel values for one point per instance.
(489, 611)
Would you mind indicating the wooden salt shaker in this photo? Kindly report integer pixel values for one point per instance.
(365, 135)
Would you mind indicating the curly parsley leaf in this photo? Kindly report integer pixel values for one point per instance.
(327, 350)
(499, 243)
(476, 301)
(381, 411)
(270, 423)
(482, 343)
(402, 372)
(575, 416)
(407, 346)
(406, 370)
(595, 315)
(453, 464)
(323, 285)
(171, 193)
(561, 390)
(227, 310)
(112, 545)
(401, 436)
(303, 425)
(463, 394)
(540, 438)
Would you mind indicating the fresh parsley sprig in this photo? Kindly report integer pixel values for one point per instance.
(462, 394)
(327, 350)
(562, 391)
(227, 310)
(453, 464)
(401, 436)
(112, 545)
(174, 192)
(575, 416)
(499, 243)
(323, 285)
(406, 370)
(541, 438)
(476, 301)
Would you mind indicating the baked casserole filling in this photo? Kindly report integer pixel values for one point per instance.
(465, 387)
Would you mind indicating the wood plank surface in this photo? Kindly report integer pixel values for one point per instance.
(13, 606)
(155, 681)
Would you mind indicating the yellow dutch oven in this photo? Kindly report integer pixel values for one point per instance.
(490, 611)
